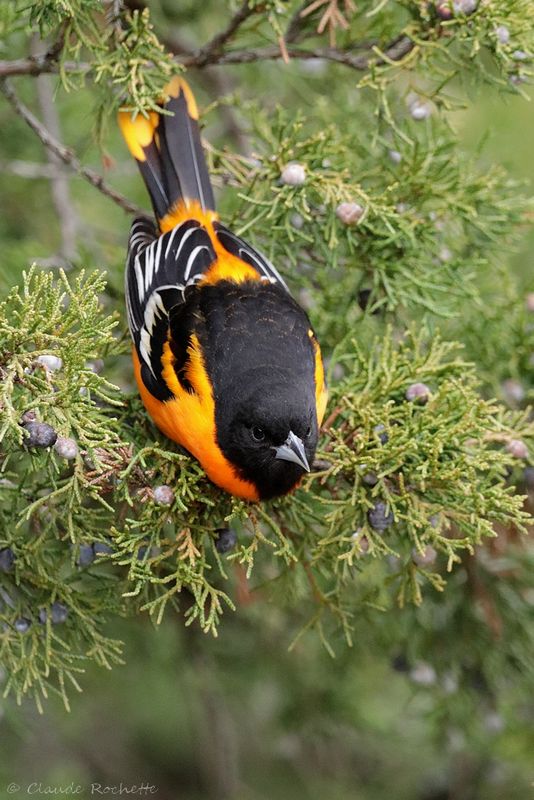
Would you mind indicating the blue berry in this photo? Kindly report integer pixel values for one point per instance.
(164, 495)
(400, 663)
(86, 555)
(423, 673)
(58, 613)
(517, 448)
(503, 34)
(39, 434)
(226, 540)
(102, 549)
(444, 10)
(364, 295)
(49, 362)
(349, 213)
(42, 616)
(417, 393)
(364, 298)
(293, 174)
(66, 448)
(425, 558)
(380, 430)
(380, 517)
(22, 625)
(464, 6)
(7, 559)
(370, 478)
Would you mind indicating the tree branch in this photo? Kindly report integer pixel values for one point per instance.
(395, 51)
(39, 65)
(65, 154)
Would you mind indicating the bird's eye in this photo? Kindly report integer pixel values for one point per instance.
(308, 431)
(258, 434)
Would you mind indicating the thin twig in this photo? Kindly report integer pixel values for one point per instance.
(214, 46)
(294, 30)
(54, 51)
(396, 51)
(64, 153)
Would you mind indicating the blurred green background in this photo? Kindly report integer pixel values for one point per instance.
(241, 716)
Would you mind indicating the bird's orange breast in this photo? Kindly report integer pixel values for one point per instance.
(189, 419)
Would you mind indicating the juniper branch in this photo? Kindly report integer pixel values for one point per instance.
(395, 51)
(37, 65)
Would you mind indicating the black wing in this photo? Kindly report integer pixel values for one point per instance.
(238, 247)
(158, 271)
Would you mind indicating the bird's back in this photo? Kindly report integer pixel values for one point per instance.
(253, 327)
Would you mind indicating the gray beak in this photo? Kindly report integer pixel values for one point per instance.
(293, 450)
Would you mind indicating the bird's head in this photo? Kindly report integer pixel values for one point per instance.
(269, 435)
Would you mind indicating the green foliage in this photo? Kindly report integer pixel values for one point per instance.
(445, 581)
(127, 62)
(42, 511)
(500, 335)
(430, 223)
(466, 47)
(138, 66)
(440, 468)
(46, 318)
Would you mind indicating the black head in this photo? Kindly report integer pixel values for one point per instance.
(269, 434)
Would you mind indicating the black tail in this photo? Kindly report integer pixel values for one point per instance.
(168, 151)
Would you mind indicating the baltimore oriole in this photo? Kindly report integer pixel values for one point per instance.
(226, 361)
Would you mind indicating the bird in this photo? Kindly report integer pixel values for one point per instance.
(226, 361)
